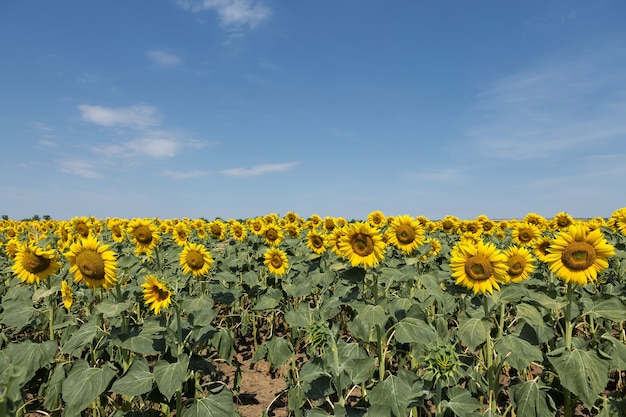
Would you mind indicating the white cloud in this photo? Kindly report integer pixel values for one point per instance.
(79, 167)
(163, 58)
(155, 146)
(137, 117)
(259, 169)
(231, 12)
(182, 175)
(568, 103)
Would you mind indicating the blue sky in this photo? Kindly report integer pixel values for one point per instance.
(239, 108)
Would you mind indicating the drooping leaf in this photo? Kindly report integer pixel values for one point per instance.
(611, 309)
(393, 393)
(473, 332)
(84, 384)
(170, 376)
(80, 338)
(137, 381)
(218, 404)
(279, 350)
(582, 372)
(530, 400)
(461, 402)
(518, 352)
(411, 330)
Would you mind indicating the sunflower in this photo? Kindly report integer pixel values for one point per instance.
(377, 219)
(293, 230)
(316, 241)
(479, 267)
(256, 225)
(67, 294)
(435, 248)
(145, 235)
(525, 234)
(520, 263)
(329, 224)
(238, 230)
(32, 263)
(561, 221)
(195, 259)
(217, 229)
(362, 244)
(617, 221)
(536, 219)
(449, 224)
(12, 247)
(577, 255)
(292, 217)
(276, 261)
(93, 263)
(405, 233)
(156, 294)
(541, 248)
(81, 226)
(272, 234)
(117, 229)
(334, 238)
(181, 233)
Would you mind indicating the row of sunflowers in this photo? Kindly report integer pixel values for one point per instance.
(318, 284)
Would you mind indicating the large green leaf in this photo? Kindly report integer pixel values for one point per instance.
(373, 315)
(530, 400)
(461, 402)
(473, 332)
(411, 330)
(219, 404)
(582, 372)
(316, 381)
(392, 394)
(30, 356)
(54, 387)
(84, 384)
(617, 351)
(611, 309)
(518, 352)
(170, 376)
(17, 314)
(137, 381)
(279, 351)
(80, 338)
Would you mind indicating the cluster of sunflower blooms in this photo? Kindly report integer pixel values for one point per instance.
(574, 250)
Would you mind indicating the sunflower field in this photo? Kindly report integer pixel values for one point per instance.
(386, 316)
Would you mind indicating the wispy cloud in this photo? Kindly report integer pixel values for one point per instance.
(81, 168)
(138, 117)
(164, 59)
(562, 104)
(231, 12)
(183, 175)
(259, 169)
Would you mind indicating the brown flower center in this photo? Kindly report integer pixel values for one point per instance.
(317, 242)
(82, 229)
(447, 225)
(161, 294)
(271, 235)
(90, 265)
(578, 256)
(216, 230)
(525, 235)
(195, 260)
(35, 264)
(543, 247)
(405, 234)
(276, 261)
(563, 222)
(516, 264)
(143, 234)
(478, 268)
(362, 244)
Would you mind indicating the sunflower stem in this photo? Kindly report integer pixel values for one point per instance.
(179, 329)
(51, 302)
(568, 403)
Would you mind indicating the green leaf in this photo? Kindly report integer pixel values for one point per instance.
(84, 384)
(373, 315)
(316, 381)
(30, 356)
(218, 404)
(80, 338)
(611, 309)
(17, 314)
(169, 377)
(461, 402)
(54, 388)
(582, 372)
(472, 332)
(137, 381)
(617, 351)
(279, 350)
(392, 393)
(530, 401)
(110, 309)
(518, 352)
(411, 330)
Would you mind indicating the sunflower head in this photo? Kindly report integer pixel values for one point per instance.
(67, 294)
(317, 242)
(478, 266)
(272, 234)
(276, 261)
(93, 263)
(362, 244)
(145, 234)
(577, 255)
(156, 294)
(32, 263)
(405, 233)
(195, 259)
(519, 261)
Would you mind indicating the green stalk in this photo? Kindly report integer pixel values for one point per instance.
(179, 329)
(51, 311)
(381, 352)
(568, 406)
